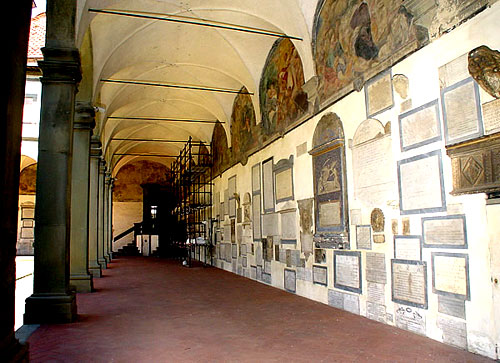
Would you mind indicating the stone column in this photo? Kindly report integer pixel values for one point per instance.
(106, 217)
(100, 216)
(95, 157)
(84, 122)
(52, 300)
(15, 51)
(110, 217)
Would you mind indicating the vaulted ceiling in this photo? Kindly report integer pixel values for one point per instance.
(145, 49)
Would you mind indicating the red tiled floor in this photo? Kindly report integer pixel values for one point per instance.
(154, 310)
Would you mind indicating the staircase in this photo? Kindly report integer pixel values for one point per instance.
(128, 250)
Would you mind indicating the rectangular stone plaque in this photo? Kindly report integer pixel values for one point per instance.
(253, 272)
(234, 251)
(409, 282)
(408, 247)
(330, 214)
(244, 261)
(226, 202)
(454, 331)
(451, 306)
(491, 116)
(336, 299)
(256, 178)
(256, 218)
(375, 267)
(301, 149)
(344, 301)
(290, 280)
(364, 237)
(27, 213)
(420, 126)
(267, 278)
(418, 194)
(259, 273)
(373, 171)
(450, 274)
(320, 275)
(270, 224)
(304, 274)
(289, 227)
(461, 111)
(410, 318)
(355, 216)
(444, 232)
(347, 270)
(284, 185)
(268, 185)
(351, 303)
(376, 292)
(378, 94)
(376, 311)
(454, 71)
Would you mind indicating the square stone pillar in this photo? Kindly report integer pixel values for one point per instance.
(100, 217)
(106, 217)
(52, 300)
(14, 56)
(110, 217)
(95, 157)
(84, 122)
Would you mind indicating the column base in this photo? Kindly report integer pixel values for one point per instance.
(50, 309)
(103, 263)
(108, 260)
(13, 351)
(95, 271)
(82, 283)
(110, 254)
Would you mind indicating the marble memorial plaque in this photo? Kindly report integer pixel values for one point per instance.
(256, 218)
(355, 216)
(270, 224)
(376, 292)
(373, 171)
(454, 331)
(267, 267)
(304, 274)
(295, 258)
(378, 238)
(233, 231)
(226, 202)
(232, 208)
(451, 306)
(288, 227)
(228, 251)
(450, 274)
(461, 111)
(378, 92)
(347, 270)
(258, 255)
(336, 299)
(409, 282)
(277, 253)
(244, 261)
(351, 303)
(330, 214)
(234, 250)
(408, 247)
(375, 267)
(416, 193)
(267, 278)
(444, 232)
(454, 71)
(259, 273)
(268, 185)
(491, 116)
(420, 126)
(253, 272)
(283, 255)
(363, 237)
(320, 275)
(376, 311)
(256, 178)
(409, 318)
(290, 280)
(284, 185)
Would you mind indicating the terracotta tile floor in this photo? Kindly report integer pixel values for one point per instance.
(154, 310)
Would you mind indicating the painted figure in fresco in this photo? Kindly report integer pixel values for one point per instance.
(329, 179)
(353, 36)
(281, 96)
(244, 135)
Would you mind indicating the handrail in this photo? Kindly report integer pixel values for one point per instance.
(123, 234)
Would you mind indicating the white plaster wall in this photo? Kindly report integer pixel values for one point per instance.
(125, 214)
(421, 68)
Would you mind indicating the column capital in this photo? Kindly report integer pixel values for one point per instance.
(95, 147)
(60, 65)
(84, 116)
(102, 166)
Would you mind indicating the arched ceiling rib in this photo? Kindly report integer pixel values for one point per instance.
(160, 51)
